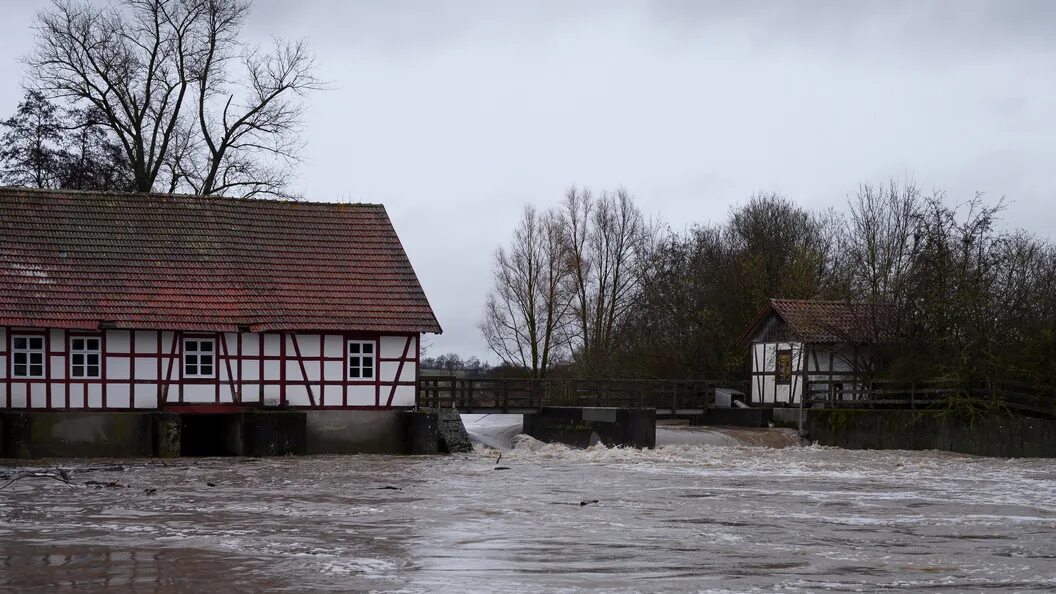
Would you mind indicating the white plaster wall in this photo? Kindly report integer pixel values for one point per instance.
(765, 389)
(271, 344)
(404, 396)
(195, 393)
(118, 341)
(334, 345)
(391, 347)
(361, 395)
(332, 395)
(410, 371)
(94, 396)
(38, 394)
(58, 395)
(123, 370)
(57, 343)
(146, 395)
(119, 396)
(18, 395)
(388, 371)
(76, 396)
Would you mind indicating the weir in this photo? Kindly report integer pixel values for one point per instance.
(587, 426)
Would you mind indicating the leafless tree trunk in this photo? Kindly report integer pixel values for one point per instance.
(158, 72)
(527, 308)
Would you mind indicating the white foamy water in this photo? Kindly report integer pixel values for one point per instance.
(493, 430)
(499, 431)
(683, 517)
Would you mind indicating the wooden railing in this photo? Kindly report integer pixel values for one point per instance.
(510, 394)
(672, 396)
(856, 392)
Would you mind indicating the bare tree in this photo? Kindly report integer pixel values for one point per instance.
(159, 73)
(607, 241)
(879, 241)
(528, 306)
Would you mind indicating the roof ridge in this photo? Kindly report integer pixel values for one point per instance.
(819, 301)
(10, 190)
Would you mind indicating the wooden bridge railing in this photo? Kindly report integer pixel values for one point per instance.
(512, 394)
(504, 394)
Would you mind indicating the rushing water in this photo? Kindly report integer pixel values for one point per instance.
(687, 516)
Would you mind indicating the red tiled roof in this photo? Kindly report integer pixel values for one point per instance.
(154, 261)
(824, 322)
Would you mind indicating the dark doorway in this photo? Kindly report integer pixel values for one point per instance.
(210, 435)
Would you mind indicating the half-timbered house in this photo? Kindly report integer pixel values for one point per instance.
(112, 302)
(797, 346)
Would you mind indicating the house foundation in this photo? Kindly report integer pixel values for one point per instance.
(30, 435)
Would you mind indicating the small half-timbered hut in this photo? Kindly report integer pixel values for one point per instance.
(801, 346)
(144, 302)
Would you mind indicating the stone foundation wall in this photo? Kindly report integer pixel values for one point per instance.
(30, 435)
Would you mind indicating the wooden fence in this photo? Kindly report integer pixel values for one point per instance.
(857, 392)
(510, 394)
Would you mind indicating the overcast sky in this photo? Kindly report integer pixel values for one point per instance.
(454, 114)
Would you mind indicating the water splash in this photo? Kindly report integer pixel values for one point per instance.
(501, 431)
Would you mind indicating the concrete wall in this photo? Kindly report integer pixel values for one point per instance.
(257, 433)
(735, 417)
(356, 432)
(585, 426)
(77, 435)
(786, 416)
(994, 435)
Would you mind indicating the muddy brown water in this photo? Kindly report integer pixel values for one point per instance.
(683, 517)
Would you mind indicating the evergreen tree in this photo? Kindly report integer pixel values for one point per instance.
(31, 151)
(48, 147)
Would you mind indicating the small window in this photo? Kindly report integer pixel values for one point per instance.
(85, 357)
(199, 357)
(27, 356)
(360, 359)
(784, 367)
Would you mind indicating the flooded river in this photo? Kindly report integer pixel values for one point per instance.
(699, 514)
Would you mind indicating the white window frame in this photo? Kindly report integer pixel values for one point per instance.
(86, 352)
(27, 351)
(357, 351)
(197, 354)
